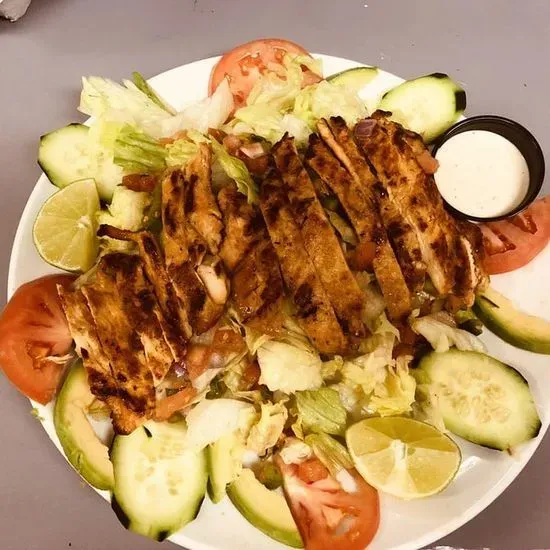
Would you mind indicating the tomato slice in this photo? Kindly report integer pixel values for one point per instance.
(512, 243)
(34, 337)
(327, 516)
(245, 63)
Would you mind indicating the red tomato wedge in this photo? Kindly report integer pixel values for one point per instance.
(245, 63)
(512, 243)
(327, 516)
(34, 337)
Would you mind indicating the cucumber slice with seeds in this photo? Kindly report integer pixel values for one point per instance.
(159, 484)
(63, 155)
(356, 78)
(481, 399)
(428, 105)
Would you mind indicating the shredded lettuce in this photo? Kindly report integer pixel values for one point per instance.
(234, 371)
(442, 336)
(143, 86)
(102, 138)
(332, 368)
(288, 368)
(138, 153)
(236, 170)
(426, 407)
(295, 451)
(278, 89)
(210, 112)
(321, 411)
(267, 431)
(396, 394)
(330, 452)
(211, 419)
(325, 99)
(127, 209)
(278, 104)
(254, 339)
(107, 100)
(180, 152)
(375, 383)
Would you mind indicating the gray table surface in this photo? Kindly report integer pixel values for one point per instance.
(498, 49)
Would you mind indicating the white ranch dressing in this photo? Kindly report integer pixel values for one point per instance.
(481, 173)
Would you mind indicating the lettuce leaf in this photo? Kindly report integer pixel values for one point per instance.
(288, 368)
(234, 371)
(126, 211)
(107, 174)
(330, 452)
(396, 394)
(442, 336)
(267, 431)
(321, 411)
(236, 170)
(107, 100)
(211, 419)
(210, 112)
(426, 407)
(324, 100)
(295, 451)
(143, 86)
(138, 153)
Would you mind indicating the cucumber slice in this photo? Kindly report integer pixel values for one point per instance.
(63, 155)
(266, 510)
(428, 105)
(481, 399)
(500, 316)
(223, 468)
(159, 485)
(354, 79)
(84, 450)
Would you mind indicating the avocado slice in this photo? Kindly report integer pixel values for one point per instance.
(500, 316)
(84, 450)
(266, 510)
(223, 467)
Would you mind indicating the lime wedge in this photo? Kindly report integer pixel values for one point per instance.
(64, 232)
(403, 457)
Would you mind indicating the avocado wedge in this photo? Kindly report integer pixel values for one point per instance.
(266, 510)
(500, 316)
(84, 450)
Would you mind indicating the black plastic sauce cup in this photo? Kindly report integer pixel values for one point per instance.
(516, 134)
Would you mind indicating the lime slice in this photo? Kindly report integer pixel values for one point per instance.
(64, 232)
(403, 457)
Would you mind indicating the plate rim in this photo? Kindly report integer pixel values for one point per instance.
(419, 542)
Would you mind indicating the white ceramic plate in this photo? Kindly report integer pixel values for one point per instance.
(483, 475)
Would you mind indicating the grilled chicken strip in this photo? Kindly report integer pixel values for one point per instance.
(315, 313)
(320, 240)
(415, 196)
(177, 329)
(181, 240)
(200, 203)
(98, 368)
(244, 226)
(403, 240)
(469, 272)
(108, 299)
(257, 289)
(201, 290)
(354, 184)
(257, 286)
